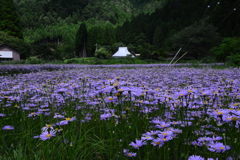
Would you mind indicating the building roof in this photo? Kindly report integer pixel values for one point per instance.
(122, 52)
(1, 45)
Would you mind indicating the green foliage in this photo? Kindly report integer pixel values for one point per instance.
(34, 60)
(81, 41)
(115, 46)
(225, 18)
(197, 39)
(160, 54)
(90, 60)
(108, 35)
(134, 23)
(228, 47)
(9, 20)
(16, 43)
(46, 52)
(103, 53)
(233, 60)
(209, 59)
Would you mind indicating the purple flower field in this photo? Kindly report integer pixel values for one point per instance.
(143, 112)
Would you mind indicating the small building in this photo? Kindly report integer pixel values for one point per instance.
(8, 53)
(122, 52)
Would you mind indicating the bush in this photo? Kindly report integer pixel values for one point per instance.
(227, 47)
(208, 59)
(103, 53)
(194, 63)
(13, 62)
(233, 60)
(72, 61)
(34, 60)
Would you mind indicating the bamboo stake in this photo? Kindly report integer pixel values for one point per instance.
(175, 56)
(180, 57)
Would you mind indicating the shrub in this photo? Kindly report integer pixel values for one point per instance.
(102, 53)
(34, 60)
(233, 60)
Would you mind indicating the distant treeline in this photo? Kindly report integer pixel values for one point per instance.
(150, 28)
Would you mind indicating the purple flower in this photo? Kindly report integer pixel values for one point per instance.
(47, 135)
(70, 119)
(158, 142)
(61, 90)
(36, 137)
(62, 123)
(165, 138)
(151, 133)
(58, 116)
(65, 122)
(47, 127)
(183, 93)
(176, 131)
(218, 147)
(196, 143)
(165, 133)
(195, 157)
(163, 125)
(8, 128)
(216, 138)
(2, 115)
(110, 99)
(105, 116)
(131, 154)
(203, 139)
(138, 144)
(32, 114)
(147, 137)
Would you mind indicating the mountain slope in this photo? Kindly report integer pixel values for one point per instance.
(36, 13)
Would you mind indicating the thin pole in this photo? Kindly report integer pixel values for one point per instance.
(180, 57)
(175, 56)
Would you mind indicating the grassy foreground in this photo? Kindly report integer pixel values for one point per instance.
(143, 113)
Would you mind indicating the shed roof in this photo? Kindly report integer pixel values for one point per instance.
(122, 52)
(2, 45)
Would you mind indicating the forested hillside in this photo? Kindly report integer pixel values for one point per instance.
(52, 28)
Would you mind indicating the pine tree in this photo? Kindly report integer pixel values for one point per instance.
(81, 41)
(158, 38)
(9, 20)
(109, 37)
(92, 41)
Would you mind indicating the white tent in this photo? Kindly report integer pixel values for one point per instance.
(122, 52)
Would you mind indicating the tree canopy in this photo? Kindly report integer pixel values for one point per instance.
(9, 20)
(81, 41)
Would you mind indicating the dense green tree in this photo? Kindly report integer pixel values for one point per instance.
(226, 17)
(108, 35)
(81, 41)
(93, 36)
(158, 38)
(46, 52)
(196, 39)
(228, 47)
(9, 20)
(121, 32)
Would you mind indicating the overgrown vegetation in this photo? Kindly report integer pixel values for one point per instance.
(52, 29)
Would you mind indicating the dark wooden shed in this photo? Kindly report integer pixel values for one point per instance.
(8, 53)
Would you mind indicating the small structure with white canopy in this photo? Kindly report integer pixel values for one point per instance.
(122, 52)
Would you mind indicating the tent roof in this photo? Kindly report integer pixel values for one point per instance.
(122, 52)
